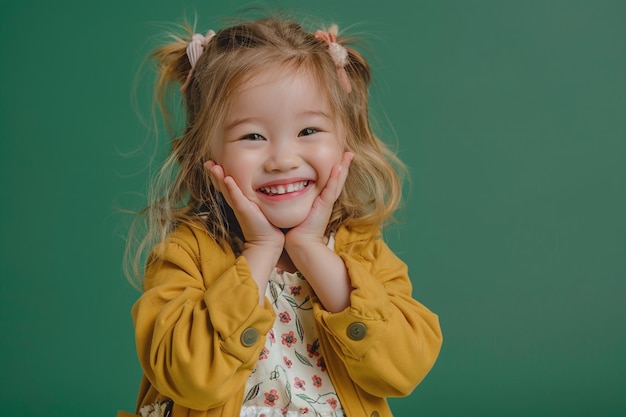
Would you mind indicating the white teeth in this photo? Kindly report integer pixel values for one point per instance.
(283, 189)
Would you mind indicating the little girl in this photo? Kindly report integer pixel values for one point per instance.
(270, 291)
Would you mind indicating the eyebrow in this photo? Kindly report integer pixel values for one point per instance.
(318, 113)
(237, 122)
(308, 113)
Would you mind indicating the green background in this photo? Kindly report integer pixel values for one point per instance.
(510, 115)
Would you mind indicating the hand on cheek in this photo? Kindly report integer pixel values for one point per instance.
(306, 246)
(314, 226)
(257, 230)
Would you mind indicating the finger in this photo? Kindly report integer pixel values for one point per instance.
(237, 199)
(347, 158)
(216, 173)
(336, 179)
(224, 184)
(343, 173)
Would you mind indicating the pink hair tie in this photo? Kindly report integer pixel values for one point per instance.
(338, 53)
(195, 48)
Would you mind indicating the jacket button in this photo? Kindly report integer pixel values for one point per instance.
(357, 331)
(375, 414)
(249, 337)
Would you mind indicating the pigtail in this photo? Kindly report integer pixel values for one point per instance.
(358, 69)
(180, 185)
(172, 67)
(373, 189)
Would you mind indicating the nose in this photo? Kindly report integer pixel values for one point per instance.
(283, 156)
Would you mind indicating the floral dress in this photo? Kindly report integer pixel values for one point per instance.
(290, 378)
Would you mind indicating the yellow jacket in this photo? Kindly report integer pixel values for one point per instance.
(199, 328)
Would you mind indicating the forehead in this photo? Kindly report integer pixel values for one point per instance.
(275, 73)
(275, 87)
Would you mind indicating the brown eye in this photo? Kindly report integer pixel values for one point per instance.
(308, 131)
(252, 136)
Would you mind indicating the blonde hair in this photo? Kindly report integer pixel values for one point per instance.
(182, 192)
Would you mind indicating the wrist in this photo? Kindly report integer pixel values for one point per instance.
(270, 251)
(295, 242)
(302, 249)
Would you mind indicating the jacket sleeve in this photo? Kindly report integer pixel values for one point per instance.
(198, 326)
(386, 340)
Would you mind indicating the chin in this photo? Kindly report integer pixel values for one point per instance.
(286, 223)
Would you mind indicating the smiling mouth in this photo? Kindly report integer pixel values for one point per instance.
(284, 189)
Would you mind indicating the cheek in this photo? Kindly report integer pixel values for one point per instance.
(335, 153)
(327, 158)
(237, 164)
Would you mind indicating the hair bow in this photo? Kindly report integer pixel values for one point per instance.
(195, 48)
(338, 53)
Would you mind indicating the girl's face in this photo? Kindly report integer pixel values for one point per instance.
(279, 142)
